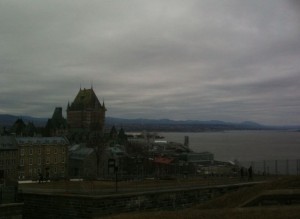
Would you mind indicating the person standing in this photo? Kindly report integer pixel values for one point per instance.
(250, 173)
(242, 173)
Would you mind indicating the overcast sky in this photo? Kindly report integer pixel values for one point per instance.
(227, 60)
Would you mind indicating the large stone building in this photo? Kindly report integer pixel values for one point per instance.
(86, 112)
(47, 156)
(8, 158)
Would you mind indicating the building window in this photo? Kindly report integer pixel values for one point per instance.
(63, 159)
(30, 151)
(22, 162)
(48, 150)
(22, 152)
(63, 150)
(39, 151)
(55, 169)
(39, 161)
(55, 160)
(30, 161)
(47, 160)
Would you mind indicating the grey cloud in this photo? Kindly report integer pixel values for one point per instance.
(230, 60)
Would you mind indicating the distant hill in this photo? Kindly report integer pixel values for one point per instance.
(168, 121)
(159, 124)
(8, 120)
(190, 125)
(183, 125)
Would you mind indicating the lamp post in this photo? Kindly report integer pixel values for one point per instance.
(116, 178)
(112, 164)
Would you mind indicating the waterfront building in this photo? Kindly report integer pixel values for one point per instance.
(196, 157)
(46, 156)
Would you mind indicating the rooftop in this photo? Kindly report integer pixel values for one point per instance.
(42, 140)
(86, 98)
(7, 143)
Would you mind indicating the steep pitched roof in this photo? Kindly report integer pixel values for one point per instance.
(85, 99)
(57, 121)
(18, 127)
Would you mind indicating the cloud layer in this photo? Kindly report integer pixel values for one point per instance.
(230, 60)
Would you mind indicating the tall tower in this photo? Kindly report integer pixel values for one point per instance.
(86, 112)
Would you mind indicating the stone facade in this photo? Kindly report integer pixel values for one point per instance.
(93, 206)
(46, 156)
(8, 158)
(11, 211)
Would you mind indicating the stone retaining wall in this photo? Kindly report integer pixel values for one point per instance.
(80, 206)
(11, 211)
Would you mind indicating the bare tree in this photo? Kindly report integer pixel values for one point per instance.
(98, 141)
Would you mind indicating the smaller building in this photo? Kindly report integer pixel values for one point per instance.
(42, 156)
(194, 157)
(8, 159)
(82, 162)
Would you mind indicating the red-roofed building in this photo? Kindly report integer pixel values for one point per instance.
(163, 160)
(164, 166)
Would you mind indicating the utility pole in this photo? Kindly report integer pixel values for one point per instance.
(116, 178)
(112, 164)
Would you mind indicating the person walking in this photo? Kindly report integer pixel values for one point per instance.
(242, 173)
(250, 173)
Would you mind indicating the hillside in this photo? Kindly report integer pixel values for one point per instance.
(162, 125)
(8, 120)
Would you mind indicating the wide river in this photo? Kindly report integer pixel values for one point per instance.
(243, 145)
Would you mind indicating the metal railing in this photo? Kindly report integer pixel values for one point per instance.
(274, 167)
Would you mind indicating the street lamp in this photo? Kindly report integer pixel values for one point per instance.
(112, 164)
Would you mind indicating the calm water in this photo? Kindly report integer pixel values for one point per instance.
(243, 145)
